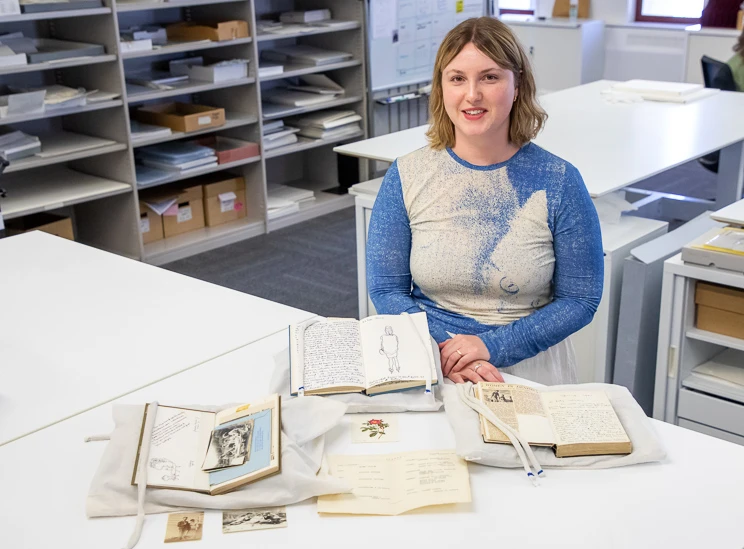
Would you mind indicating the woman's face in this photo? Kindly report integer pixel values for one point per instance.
(478, 94)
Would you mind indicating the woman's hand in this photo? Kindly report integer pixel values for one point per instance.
(460, 351)
(479, 370)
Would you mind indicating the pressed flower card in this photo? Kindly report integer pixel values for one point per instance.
(374, 428)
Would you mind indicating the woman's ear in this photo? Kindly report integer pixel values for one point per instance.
(516, 94)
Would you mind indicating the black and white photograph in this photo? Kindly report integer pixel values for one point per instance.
(229, 446)
(254, 519)
(500, 396)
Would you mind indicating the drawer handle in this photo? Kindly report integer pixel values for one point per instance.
(672, 362)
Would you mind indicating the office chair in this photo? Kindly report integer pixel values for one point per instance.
(716, 74)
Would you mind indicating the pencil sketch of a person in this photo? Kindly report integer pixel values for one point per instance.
(389, 348)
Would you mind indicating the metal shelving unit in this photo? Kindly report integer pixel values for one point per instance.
(97, 187)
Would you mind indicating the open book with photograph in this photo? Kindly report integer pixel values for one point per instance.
(378, 354)
(574, 423)
(212, 452)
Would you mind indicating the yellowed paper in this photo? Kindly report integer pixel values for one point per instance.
(583, 417)
(520, 408)
(395, 483)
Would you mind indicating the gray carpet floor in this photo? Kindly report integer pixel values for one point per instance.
(312, 265)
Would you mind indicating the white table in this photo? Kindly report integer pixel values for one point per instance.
(617, 145)
(595, 343)
(732, 214)
(80, 327)
(685, 502)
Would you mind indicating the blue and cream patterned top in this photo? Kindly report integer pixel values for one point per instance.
(511, 252)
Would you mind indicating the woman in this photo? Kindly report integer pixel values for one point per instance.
(495, 238)
(736, 63)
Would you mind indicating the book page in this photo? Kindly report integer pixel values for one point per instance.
(395, 483)
(583, 417)
(179, 441)
(520, 407)
(331, 353)
(392, 349)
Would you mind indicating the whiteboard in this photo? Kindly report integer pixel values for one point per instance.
(404, 36)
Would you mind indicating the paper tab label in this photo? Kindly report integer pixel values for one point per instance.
(144, 224)
(227, 202)
(184, 214)
(202, 120)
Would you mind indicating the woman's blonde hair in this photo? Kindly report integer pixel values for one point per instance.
(495, 40)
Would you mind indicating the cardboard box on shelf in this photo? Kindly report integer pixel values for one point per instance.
(58, 225)
(190, 214)
(224, 201)
(225, 30)
(182, 117)
(720, 309)
(562, 8)
(151, 224)
(229, 149)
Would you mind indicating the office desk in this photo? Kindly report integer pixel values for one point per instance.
(685, 502)
(732, 214)
(79, 327)
(595, 343)
(617, 145)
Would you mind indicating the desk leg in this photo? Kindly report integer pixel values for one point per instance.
(730, 175)
(361, 234)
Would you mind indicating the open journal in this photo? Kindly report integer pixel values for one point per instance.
(378, 354)
(212, 452)
(574, 423)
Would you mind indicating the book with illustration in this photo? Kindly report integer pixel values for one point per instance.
(574, 423)
(211, 452)
(377, 354)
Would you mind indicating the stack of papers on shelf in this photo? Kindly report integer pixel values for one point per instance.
(126, 46)
(308, 16)
(94, 96)
(140, 130)
(273, 126)
(283, 200)
(330, 124)
(286, 135)
(16, 144)
(319, 84)
(156, 80)
(18, 43)
(156, 34)
(272, 110)
(177, 157)
(651, 90)
(62, 97)
(296, 98)
(149, 176)
(269, 69)
(14, 102)
(304, 55)
(289, 29)
(722, 376)
(8, 58)
(63, 142)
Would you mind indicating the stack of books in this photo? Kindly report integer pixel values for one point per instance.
(304, 55)
(177, 158)
(331, 124)
(283, 199)
(276, 134)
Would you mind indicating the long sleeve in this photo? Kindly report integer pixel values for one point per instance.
(577, 282)
(389, 250)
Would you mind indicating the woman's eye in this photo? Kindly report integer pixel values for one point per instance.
(491, 77)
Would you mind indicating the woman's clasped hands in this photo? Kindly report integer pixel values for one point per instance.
(465, 358)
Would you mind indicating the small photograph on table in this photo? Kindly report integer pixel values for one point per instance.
(254, 519)
(184, 527)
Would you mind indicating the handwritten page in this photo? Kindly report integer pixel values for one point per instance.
(395, 483)
(177, 447)
(583, 417)
(520, 407)
(396, 348)
(332, 355)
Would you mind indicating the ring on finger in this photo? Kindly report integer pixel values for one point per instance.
(458, 352)
(477, 366)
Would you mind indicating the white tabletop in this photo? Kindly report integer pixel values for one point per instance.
(694, 499)
(733, 214)
(79, 327)
(612, 144)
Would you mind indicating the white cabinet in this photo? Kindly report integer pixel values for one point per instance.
(563, 53)
(595, 343)
(715, 43)
(708, 409)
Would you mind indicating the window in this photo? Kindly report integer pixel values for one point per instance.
(669, 11)
(514, 6)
